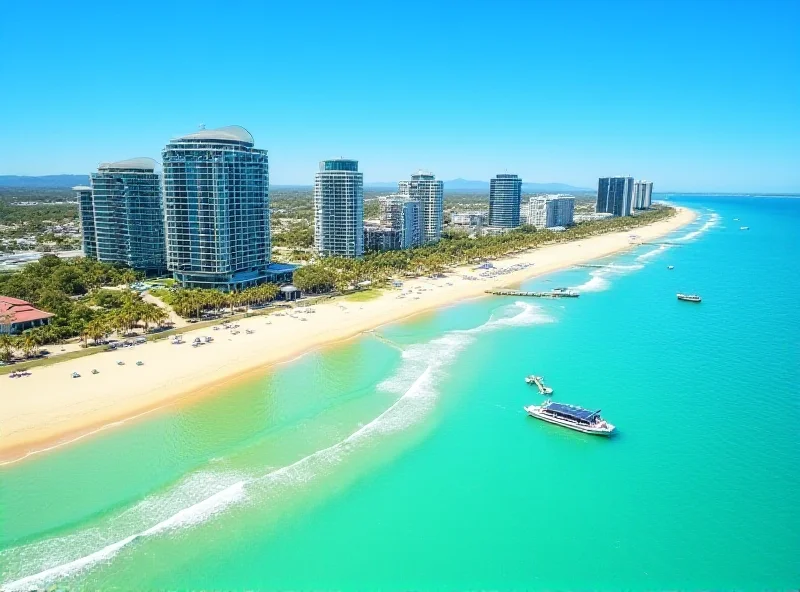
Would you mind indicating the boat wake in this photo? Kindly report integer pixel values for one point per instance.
(189, 504)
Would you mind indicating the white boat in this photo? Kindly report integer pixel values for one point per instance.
(689, 297)
(572, 417)
(670, 267)
(744, 228)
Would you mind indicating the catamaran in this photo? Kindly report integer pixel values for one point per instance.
(572, 417)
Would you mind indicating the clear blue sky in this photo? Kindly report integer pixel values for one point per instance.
(701, 95)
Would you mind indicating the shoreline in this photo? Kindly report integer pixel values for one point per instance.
(49, 409)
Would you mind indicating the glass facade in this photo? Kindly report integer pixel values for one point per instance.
(129, 215)
(216, 201)
(83, 195)
(505, 198)
(429, 193)
(402, 214)
(339, 209)
(615, 196)
(642, 195)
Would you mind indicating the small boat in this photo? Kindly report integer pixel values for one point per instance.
(670, 267)
(572, 417)
(689, 297)
(75, 375)
(736, 219)
(744, 228)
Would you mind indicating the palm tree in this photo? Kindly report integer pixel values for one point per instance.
(6, 347)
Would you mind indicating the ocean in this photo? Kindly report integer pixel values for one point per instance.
(403, 459)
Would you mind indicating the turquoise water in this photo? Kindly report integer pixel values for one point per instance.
(407, 463)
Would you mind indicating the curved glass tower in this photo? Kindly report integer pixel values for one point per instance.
(615, 196)
(505, 198)
(424, 188)
(216, 202)
(86, 217)
(128, 215)
(339, 208)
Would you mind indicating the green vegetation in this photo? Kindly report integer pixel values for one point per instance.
(61, 286)
(293, 234)
(194, 303)
(455, 248)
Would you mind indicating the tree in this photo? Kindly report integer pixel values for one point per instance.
(6, 347)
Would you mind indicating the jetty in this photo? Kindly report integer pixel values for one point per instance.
(557, 293)
(539, 382)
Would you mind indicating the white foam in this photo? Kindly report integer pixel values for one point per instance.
(653, 253)
(712, 221)
(599, 279)
(421, 365)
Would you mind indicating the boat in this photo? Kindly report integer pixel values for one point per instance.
(736, 219)
(539, 382)
(744, 228)
(670, 267)
(689, 297)
(572, 417)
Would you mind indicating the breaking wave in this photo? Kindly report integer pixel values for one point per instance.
(189, 504)
(600, 278)
(712, 221)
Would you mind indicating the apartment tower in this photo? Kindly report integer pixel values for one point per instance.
(128, 215)
(615, 196)
(339, 208)
(216, 201)
(505, 198)
(83, 194)
(425, 189)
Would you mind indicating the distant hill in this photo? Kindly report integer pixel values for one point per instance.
(45, 182)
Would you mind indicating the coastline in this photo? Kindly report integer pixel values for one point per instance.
(49, 409)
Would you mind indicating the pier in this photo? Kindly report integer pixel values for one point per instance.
(539, 382)
(551, 294)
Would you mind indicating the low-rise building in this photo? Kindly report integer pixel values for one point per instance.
(592, 217)
(469, 219)
(17, 315)
(548, 211)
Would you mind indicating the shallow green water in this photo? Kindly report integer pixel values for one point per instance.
(372, 466)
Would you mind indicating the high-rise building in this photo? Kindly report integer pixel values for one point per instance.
(128, 214)
(505, 197)
(86, 216)
(642, 195)
(615, 195)
(216, 200)
(550, 211)
(402, 214)
(339, 208)
(424, 188)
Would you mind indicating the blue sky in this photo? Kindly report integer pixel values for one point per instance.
(696, 96)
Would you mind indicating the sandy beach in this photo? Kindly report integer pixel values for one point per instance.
(50, 409)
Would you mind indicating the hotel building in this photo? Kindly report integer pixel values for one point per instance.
(216, 201)
(615, 195)
(128, 215)
(339, 208)
(505, 198)
(425, 189)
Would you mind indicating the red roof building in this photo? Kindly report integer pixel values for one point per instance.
(17, 315)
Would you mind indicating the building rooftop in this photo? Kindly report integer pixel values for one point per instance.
(139, 164)
(234, 133)
(14, 310)
(81, 188)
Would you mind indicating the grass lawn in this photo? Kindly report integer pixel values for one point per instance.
(364, 295)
